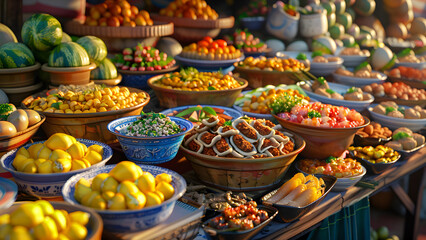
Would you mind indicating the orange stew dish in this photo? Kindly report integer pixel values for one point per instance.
(338, 167)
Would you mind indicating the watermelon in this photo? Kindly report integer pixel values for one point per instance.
(105, 70)
(68, 54)
(6, 35)
(41, 32)
(66, 37)
(95, 47)
(15, 55)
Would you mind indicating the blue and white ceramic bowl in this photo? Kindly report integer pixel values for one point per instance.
(8, 192)
(131, 220)
(149, 150)
(48, 185)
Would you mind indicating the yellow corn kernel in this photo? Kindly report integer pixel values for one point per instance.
(106, 98)
(64, 106)
(110, 103)
(92, 110)
(85, 107)
(98, 94)
(86, 111)
(89, 96)
(81, 98)
(77, 107)
(74, 97)
(102, 109)
(96, 102)
(59, 111)
(89, 103)
(114, 108)
(108, 91)
(72, 105)
(69, 111)
(78, 111)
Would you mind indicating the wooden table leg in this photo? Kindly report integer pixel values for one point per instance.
(415, 192)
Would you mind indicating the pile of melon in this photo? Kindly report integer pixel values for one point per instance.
(45, 42)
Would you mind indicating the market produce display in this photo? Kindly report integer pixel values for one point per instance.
(68, 54)
(407, 56)
(95, 48)
(404, 139)
(397, 90)
(272, 64)
(320, 86)
(14, 120)
(375, 130)
(354, 51)
(299, 191)
(409, 73)
(115, 13)
(391, 109)
(40, 220)
(209, 49)
(198, 9)
(41, 32)
(98, 99)
(243, 138)
(152, 125)
(244, 40)
(338, 167)
(378, 154)
(126, 186)
(142, 58)
(15, 55)
(105, 70)
(190, 79)
(362, 71)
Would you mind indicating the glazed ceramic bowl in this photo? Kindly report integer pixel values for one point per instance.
(241, 234)
(353, 61)
(312, 25)
(289, 213)
(337, 140)
(130, 220)
(91, 126)
(18, 77)
(48, 185)
(149, 150)
(138, 79)
(94, 226)
(237, 174)
(8, 193)
(69, 75)
(358, 82)
(395, 123)
(20, 138)
(170, 98)
(281, 24)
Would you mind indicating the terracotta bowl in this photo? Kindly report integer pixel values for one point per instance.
(94, 226)
(170, 98)
(238, 174)
(20, 138)
(109, 82)
(91, 126)
(322, 142)
(259, 78)
(18, 77)
(69, 75)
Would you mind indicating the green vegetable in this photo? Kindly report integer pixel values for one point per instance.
(400, 135)
(352, 89)
(285, 103)
(321, 80)
(362, 65)
(5, 110)
(188, 111)
(227, 123)
(211, 88)
(316, 54)
(209, 110)
(56, 105)
(330, 159)
(389, 109)
(330, 91)
(405, 52)
(314, 114)
(301, 56)
(402, 110)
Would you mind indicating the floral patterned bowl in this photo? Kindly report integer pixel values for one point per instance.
(281, 24)
(150, 150)
(48, 185)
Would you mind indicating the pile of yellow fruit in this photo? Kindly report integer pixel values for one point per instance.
(126, 186)
(60, 153)
(39, 220)
(98, 100)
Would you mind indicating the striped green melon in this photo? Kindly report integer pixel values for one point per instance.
(68, 54)
(66, 37)
(15, 55)
(95, 47)
(6, 35)
(105, 70)
(41, 32)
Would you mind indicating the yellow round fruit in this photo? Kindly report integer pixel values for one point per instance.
(77, 164)
(160, 195)
(97, 148)
(61, 165)
(135, 200)
(20, 233)
(27, 215)
(45, 167)
(163, 177)
(126, 187)
(44, 153)
(77, 150)
(19, 161)
(166, 189)
(109, 185)
(30, 167)
(23, 151)
(88, 199)
(126, 170)
(34, 149)
(58, 153)
(4, 219)
(5, 230)
(152, 199)
(93, 157)
(46, 230)
(146, 182)
(46, 206)
(98, 180)
(118, 202)
(76, 231)
(80, 217)
(60, 141)
(108, 195)
(82, 188)
(60, 219)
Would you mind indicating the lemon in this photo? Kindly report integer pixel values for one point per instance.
(146, 182)
(61, 165)
(58, 153)
(62, 236)
(80, 217)
(109, 184)
(163, 177)
(77, 164)
(23, 151)
(44, 152)
(46, 230)
(118, 202)
(126, 187)
(45, 167)
(152, 199)
(4, 219)
(135, 200)
(160, 195)
(34, 149)
(60, 141)
(29, 166)
(97, 148)
(46, 207)
(76, 231)
(82, 188)
(20, 233)
(27, 215)
(5, 230)
(60, 219)
(166, 189)
(98, 203)
(19, 161)
(86, 162)
(108, 195)
(98, 180)
(76, 150)
(38, 162)
(88, 199)
(93, 157)
(126, 170)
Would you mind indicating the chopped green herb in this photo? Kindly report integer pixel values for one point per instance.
(330, 159)
(314, 114)
(56, 104)
(400, 135)
(301, 56)
(389, 109)
(321, 80)
(352, 89)
(330, 91)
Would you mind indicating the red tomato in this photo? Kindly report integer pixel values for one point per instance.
(221, 43)
(208, 39)
(214, 45)
(203, 43)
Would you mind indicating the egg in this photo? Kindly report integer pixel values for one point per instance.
(7, 129)
(298, 46)
(33, 117)
(19, 118)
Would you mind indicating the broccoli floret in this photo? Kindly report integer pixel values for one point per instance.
(5, 110)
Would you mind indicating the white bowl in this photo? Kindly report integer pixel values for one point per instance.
(316, 68)
(395, 123)
(420, 65)
(342, 89)
(358, 82)
(353, 60)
